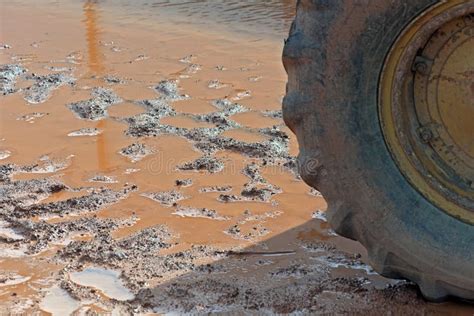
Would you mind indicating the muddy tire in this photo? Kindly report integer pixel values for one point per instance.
(334, 57)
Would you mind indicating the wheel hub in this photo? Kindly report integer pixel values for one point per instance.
(427, 105)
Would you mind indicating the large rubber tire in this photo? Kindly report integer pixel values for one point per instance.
(334, 56)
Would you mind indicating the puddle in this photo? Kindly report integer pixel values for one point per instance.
(244, 136)
(255, 120)
(58, 302)
(107, 281)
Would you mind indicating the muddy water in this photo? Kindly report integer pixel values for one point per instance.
(148, 160)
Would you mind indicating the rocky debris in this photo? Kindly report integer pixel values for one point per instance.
(131, 170)
(294, 271)
(199, 212)
(85, 132)
(237, 231)
(166, 198)
(95, 108)
(169, 90)
(242, 94)
(8, 75)
(103, 179)
(113, 80)
(39, 235)
(75, 58)
(6, 171)
(59, 69)
(4, 154)
(136, 151)
(9, 234)
(188, 59)
(225, 188)
(210, 164)
(157, 107)
(140, 58)
(30, 117)
(41, 90)
(228, 107)
(11, 278)
(271, 149)
(276, 114)
(254, 193)
(315, 192)
(184, 183)
(216, 84)
(47, 165)
(138, 256)
(17, 195)
(94, 201)
(255, 78)
(5, 46)
(190, 70)
(318, 247)
(249, 217)
(320, 215)
(252, 170)
(117, 253)
(221, 120)
(251, 193)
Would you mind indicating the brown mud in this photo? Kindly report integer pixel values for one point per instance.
(142, 176)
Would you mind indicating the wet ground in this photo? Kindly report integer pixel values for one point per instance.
(145, 167)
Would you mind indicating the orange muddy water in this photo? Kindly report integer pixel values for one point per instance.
(145, 168)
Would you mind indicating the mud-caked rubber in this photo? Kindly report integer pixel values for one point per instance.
(334, 57)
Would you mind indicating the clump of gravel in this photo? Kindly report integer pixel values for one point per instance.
(210, 164)
(251, 192)
(252, 171)
(41, 90)
(94, 201)
(228, 107)
(8, 76)
(254, 193)
(216, 84)
(184, 183)
(113, 80)
(30, 117)
(95, 108)
(85, 132)
(136, 151)
(20, 194)
(166, 198)
(237, 231)
(200, 212)
(4, 154)
(103, 179)
(169, 90)
(216, 188)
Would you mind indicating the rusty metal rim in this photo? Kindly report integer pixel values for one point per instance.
(398, 113)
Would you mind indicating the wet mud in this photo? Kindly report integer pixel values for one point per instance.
(144, 181)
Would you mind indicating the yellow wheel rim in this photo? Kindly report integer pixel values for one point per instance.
(426, 104)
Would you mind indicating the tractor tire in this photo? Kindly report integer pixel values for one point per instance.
(334, 58)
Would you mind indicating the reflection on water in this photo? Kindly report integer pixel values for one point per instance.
(269, 17)
(262, 15)
(94, 61)
(96, 67)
